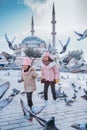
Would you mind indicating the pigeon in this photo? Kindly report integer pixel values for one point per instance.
(9, 42)
(82, 36)
(68, 101)
(3, 88)
(9, 58)
(42, 92)
(79, 87)
(23, 93)
(75, 91)
(60, 94)
(73, 85)
(74, 96)
(64, 46)
(84, 96)
(5, 102)
(80, 126)
(27, 111)
(48, 125)
(85, 91)
(15, 92)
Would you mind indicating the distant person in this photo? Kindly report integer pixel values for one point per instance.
(28, 75)
(49, 75)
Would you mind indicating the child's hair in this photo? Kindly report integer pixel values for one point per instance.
(51, 60)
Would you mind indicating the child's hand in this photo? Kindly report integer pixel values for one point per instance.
(43, 80)
(56, 80)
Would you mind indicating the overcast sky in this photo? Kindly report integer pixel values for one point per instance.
(15, 20)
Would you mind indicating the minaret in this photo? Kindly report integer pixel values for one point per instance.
(53, 27)
(32, 27)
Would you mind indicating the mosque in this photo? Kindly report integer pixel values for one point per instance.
(36, 42)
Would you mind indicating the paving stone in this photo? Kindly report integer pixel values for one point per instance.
(12, 118)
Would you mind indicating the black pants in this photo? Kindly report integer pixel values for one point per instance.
(46, 85)
(29, 99)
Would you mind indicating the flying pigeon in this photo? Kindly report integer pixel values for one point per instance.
(80, 126)
(3, 88)
(48, 125)
(5, 102)
(68, 101)
(64, 46)
(82, 36)
(9, 42)
(9, 58)
(27, 111)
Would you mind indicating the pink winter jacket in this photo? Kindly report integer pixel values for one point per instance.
(50, 72)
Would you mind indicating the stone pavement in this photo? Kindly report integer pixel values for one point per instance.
(11, 117)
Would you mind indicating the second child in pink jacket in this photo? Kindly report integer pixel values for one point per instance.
(49, 74)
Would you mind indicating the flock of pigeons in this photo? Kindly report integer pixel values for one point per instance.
(32, 113)
(82, 36)
(29, 114)
(64, 47)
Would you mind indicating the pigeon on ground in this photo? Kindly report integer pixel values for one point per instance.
(60, 94)
(9, 42)
(15, 92)
(80, 126)
(26, 110)
(82, 36)
(85, 91)
(73, 85)
(3, 88)
(64, 46)
(68, 101)
(84, 96)
(42, 92)
(74, 96)
(48, 125)
(5, 102)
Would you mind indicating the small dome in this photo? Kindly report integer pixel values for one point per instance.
(33, 41)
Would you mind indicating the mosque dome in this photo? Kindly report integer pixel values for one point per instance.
(33, 41)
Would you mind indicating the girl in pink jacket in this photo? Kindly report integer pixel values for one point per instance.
(49, 74)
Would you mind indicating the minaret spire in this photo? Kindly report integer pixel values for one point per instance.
(32, 27)
(53, 27)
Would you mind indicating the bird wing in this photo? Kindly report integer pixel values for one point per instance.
(5, 102)
(41, 121)
(79, 34)
(76, 126)
(60, 43)
(7, 56)
(6, 37)
(25, 109)
(13, 39)
(68, 40)
(36, 110)
(3, 88)
(9, 42)
(85, 91)
(85, 33)
(62, 51)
